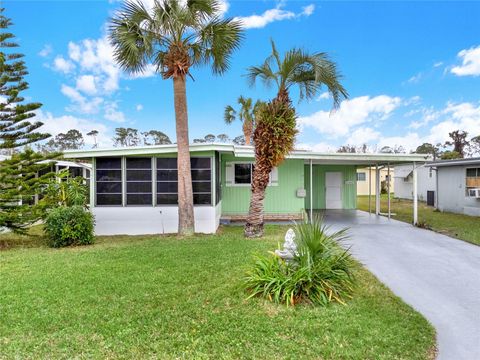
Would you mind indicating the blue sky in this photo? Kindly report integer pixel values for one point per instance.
(412, 70)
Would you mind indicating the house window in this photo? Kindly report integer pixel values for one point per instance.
(243, 173)
(109, 181)
(139, 181)
(361, 176)
(167, 181)
(473, 178)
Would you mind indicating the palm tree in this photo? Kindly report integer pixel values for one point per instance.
(175, 36)
(275, 127)
(246, 115)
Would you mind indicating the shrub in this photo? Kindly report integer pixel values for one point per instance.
(67, 226)
(321, 272)
(64, 190)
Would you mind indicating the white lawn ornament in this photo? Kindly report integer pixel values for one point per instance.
(289, 246)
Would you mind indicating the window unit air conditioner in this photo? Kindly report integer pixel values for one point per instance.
(475, 193)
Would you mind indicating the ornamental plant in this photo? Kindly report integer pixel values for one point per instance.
(322, 272)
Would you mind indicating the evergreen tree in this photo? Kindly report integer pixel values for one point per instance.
(19, 182)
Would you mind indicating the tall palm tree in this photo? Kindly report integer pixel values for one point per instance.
(246, 114)
(275, 127)
(175, 36)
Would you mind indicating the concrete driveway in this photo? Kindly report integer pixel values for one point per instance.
(435, 274)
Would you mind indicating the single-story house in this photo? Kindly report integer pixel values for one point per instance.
(426, 183)
(366, 178)
(134, 189)
(458, 185)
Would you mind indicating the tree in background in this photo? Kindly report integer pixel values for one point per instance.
(93, 134)
(223, 138)
(239, 140)
(275, 128)
(427, 148)
(459, 142)
(352, 149)
(71, 140)
(246, 115)
(155, 137)
(175, 36)
(126, 137)
(397, 149)
(475, 145)
(18, 176)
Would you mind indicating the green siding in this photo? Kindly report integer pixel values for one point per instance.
(280, 199)
(349, 191)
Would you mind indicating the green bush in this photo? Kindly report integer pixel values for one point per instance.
(65, 226)
(321, 272)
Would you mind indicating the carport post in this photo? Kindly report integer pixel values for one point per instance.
(311, 189)
(377, 190)
(415, 197)
(370, 189)
(388, 188)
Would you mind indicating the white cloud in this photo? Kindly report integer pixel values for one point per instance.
(149, 71)
(438, 64)
(62, 65)
(276, 14)
(363, 135)
(47, 50)
(352, 112)
(308, 10)
(113, 114)
(86, 83)
(320, 147)
(79, 102)
(55, 125)
(323, 96)
(415, 78)
(470, 62)
(139, 107)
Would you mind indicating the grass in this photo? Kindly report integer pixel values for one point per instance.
(459, 226)
(164, 297)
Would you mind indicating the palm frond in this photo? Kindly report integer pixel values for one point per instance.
(229, 114)
(219, 38)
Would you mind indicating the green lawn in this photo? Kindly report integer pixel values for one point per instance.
(163, 297)
(456, 225)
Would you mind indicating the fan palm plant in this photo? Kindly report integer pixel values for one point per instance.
(246, 114)
(175, 36)
(275, 127)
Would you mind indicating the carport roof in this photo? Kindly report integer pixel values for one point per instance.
(455, 162)
(247, 151)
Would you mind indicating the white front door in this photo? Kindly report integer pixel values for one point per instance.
(333, 190)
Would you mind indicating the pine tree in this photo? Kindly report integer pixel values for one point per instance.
(19, 182)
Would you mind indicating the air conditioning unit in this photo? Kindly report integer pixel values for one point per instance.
(475, 193)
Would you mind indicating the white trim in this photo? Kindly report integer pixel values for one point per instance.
(242, 162)
(248, 151)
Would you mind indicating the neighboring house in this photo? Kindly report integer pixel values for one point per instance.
(134, 189)
(366, 180)
(458, 184)
(426, 183)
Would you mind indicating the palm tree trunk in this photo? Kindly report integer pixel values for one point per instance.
(260, 179)
(247, 132)
(186, 222)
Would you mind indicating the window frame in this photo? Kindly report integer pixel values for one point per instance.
(364, 176)
(126, 204)
(234, 184)
(121, 181)
(211, 181)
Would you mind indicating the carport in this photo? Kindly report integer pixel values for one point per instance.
(333, 183)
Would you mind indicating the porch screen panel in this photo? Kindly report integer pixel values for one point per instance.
(139, 181)
(167, 181)
(109, 181)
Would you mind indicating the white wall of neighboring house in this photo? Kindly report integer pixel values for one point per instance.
(452, 194)
(403, 178)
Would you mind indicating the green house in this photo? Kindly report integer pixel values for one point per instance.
(134, 190)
